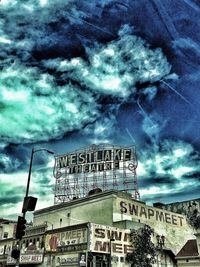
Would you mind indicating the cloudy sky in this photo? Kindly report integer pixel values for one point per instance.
(75, 73)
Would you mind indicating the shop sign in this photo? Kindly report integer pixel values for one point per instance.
(31, 259)
(10, 261)
(147, 213)
(77, 247)
(57, 241)
(67, 260)
(106, 239)
(26, 259)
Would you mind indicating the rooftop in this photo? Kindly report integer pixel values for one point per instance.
(189, 249)
(85, 199)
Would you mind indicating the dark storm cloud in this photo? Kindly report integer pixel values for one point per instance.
(168, 167)
(10, 192)
(153, 179)
(42, 182)
(187, 193)
(17, 158)
(9, 200)
(8, 163)
(44, 98)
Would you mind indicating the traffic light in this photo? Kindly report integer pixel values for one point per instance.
(29, 204)
(15, 253)
(20, 230)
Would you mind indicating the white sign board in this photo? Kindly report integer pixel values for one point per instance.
(107, 239)
(26, 259)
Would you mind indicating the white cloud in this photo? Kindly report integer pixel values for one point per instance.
(114, 68)
(34, 108)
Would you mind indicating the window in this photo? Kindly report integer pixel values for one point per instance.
(5, 235)
(121, 259)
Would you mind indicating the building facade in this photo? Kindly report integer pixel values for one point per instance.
(95, 231)
(7, 231)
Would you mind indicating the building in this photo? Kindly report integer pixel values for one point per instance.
(7, 230)
(92, 226)
(189, 255)
(96, 229)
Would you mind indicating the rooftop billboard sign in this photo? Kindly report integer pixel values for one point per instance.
(104, 167)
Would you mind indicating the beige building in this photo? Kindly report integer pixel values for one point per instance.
(96, 229)
(118, 210)
(7, 230)
(189, 255)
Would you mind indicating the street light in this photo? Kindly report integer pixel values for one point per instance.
(30, 202)
(30, 168)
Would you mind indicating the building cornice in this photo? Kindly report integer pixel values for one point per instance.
(105, 194)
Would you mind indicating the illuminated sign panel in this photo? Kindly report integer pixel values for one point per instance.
(104, 167)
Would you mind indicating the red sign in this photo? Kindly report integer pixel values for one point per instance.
(53, 242)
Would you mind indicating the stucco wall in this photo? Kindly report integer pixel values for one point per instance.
(172, 225)
(97, 210)
(7, 227)
(190, 262)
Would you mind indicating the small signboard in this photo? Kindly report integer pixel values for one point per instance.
(26, 259)
(67, 260)
(65, 240)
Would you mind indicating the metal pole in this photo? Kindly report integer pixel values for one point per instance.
(51, 237)
(29, 173)
(27, 188)
(110, 247)
(26, 195)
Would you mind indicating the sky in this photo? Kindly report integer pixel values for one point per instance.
(75, 73)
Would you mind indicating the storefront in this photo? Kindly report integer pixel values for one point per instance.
(32, 247)
(5, 250)
(27, 259)
(66, 246)
(3, 260)
(108, 245)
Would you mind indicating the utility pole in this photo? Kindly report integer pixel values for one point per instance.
(110, 248)
(28, 205)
